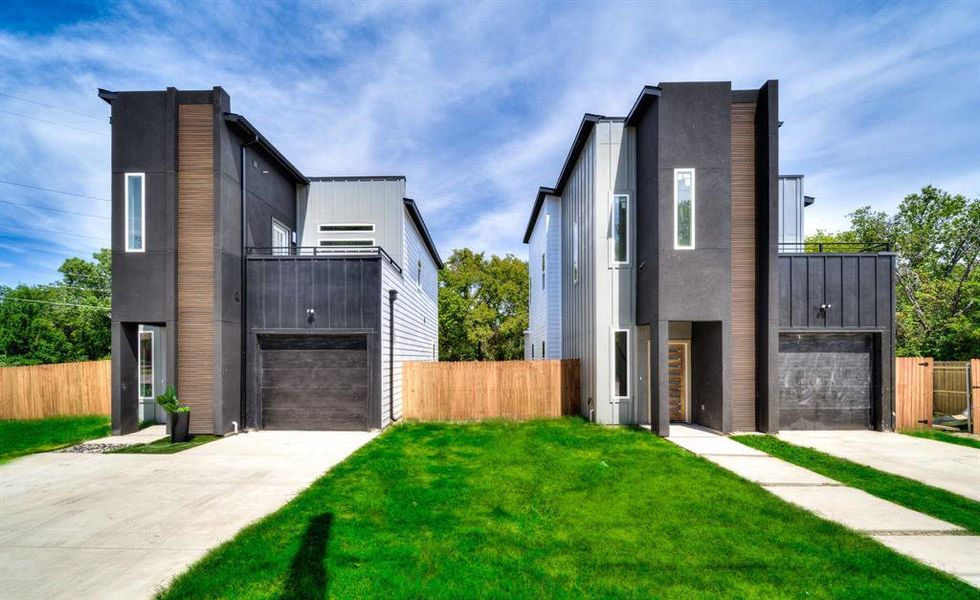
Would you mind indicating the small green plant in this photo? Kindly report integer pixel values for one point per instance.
(169, 402)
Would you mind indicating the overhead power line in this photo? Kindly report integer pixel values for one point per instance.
(68, 110)
(68, 233)
(16, 114)
(60, 286)
(43, 189)
(61, 210)
(5, 297)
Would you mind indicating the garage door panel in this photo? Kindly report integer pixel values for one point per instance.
(315, 382)
(303, 358)
(825, 381)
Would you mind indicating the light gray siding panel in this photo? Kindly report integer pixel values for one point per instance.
(544, 314)
(377, 202)
(416, 318)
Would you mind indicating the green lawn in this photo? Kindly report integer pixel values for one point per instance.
(543, 510)
(163, 446)
(900, 490)
(942, 436)
(20, 437)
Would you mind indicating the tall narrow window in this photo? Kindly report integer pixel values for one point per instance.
(575, 252)
(418, 273)
(135, 204)
(620, 228)
(683, 209)
(146, 364)
(543, 271)
(543, 353)
(621, 363)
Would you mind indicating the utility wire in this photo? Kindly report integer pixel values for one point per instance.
(16, 114)
(61, 210)
(34, 187)
(59, 286)
(68, 233)
(75, 112)
(5, 298)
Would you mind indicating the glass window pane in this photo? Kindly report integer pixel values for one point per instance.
(684, 195)
(621, 384)
(620, 222)
(134, 200)
(146, 364)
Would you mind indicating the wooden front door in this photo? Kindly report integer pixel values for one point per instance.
(677, 385)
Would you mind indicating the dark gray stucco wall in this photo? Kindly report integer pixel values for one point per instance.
(767, 227)
(860, 292)
(144, 140)
(345, 295)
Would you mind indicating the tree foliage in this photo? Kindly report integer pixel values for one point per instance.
(937, 238)
(482, 307)
(64, 321)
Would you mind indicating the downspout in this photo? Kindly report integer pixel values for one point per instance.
(392, 296)
(243, 341)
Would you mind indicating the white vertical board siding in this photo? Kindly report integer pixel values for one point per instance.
(578, 299)
(370, 201)
(544, 305)
(614, 284)
(416, 317)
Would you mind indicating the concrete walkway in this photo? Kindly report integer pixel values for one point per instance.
(924, 538)
(122, 525)
(943, 465)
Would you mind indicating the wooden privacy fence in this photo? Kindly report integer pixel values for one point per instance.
(35, 392)
(950, 392)
(913, 393)
(975, 385)
(470, 391)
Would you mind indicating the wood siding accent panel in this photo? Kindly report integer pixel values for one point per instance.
(471, 391)
(42, 391)
(744, 272)
(195, 264)
(913, 393)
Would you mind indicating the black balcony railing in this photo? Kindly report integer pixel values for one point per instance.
(301, 252)
(835, 247)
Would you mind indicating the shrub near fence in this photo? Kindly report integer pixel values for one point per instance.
(36, 392)
(470, 391)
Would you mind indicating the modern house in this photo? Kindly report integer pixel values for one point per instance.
(664, 228)
(268, 298)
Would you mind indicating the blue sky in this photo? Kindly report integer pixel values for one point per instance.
(477, 103)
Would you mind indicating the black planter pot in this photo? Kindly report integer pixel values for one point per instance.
(180, 424)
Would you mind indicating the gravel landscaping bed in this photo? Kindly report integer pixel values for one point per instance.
(94, 448)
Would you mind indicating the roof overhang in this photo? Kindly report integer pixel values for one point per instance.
(643, 102)
(413, 211)
(249, 131)
(538, 203)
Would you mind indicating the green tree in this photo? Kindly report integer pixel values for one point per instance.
(937, 238)
(59, 322)
(482, 307)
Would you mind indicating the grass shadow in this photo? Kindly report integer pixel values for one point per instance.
(307, 576)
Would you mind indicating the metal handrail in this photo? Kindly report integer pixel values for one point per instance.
(300, 252)
(835, 247)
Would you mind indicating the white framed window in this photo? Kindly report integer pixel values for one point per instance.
(280, 238)
(621, 363)
(684, 213)
(342, 243)
(620, 222)
(146, 364)
(418, 273)
(544, 272)
(135, 211)
(575, 252)
(346, 227)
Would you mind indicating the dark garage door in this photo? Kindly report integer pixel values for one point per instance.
(314, 382)
(825, 381)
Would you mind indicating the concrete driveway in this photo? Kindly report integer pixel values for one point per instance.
(122, 525)
(940, 464)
